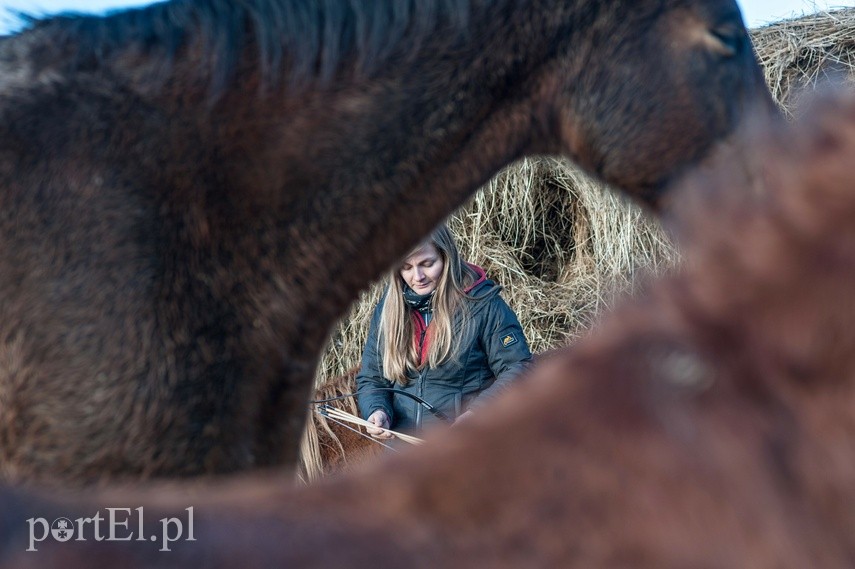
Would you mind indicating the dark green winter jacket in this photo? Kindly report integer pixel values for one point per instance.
(492, 354)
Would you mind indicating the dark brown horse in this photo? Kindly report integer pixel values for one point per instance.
(191, 193)
(708, 423)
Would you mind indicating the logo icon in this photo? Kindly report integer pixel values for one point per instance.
(509, 340)
(62, 529)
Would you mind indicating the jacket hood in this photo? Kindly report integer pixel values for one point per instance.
(483, 287)
(480, 278)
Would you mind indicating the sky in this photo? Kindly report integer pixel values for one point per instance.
(759, 12)
(756, 12)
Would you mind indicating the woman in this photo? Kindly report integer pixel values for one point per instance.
(441, 333)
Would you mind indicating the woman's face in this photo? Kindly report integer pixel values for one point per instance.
(423, 269)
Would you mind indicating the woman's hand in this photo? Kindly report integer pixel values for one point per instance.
(380, 419)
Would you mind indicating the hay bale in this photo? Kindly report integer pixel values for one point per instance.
(561, 245)
(801, 54)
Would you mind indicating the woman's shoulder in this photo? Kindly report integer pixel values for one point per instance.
(485, 295)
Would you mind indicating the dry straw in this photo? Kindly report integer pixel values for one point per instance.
(335, 413)
(561, 244)
(802, 54)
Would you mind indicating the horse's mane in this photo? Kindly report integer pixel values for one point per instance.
(319, 433)
(315, 36)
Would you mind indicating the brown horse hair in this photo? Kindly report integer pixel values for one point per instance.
(708, 422)
(170, 270)
(312, 39)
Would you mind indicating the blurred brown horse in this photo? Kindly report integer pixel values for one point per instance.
(709, 423)
(191, 193)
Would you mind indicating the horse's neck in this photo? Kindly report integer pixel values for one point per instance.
(413, 119)
(393, 154)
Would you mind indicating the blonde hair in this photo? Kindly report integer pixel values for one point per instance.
(399, 347)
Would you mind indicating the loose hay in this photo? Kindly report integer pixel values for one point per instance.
(801, 54)
(560, 244)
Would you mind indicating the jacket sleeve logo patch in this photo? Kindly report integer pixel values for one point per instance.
(509, 340)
